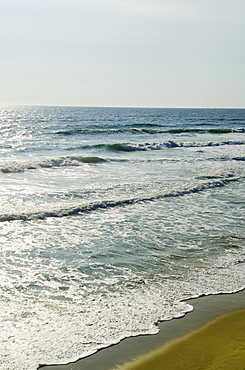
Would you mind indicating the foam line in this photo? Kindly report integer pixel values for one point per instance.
(117, 203)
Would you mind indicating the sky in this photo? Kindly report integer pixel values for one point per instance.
(134, 53)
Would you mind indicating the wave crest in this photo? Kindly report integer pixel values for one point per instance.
(126, 147)
(106, 204)
(22, 166)
(147, 129)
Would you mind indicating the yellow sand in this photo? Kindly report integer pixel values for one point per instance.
(219, 345)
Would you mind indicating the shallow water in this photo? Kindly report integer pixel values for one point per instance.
(111, 216)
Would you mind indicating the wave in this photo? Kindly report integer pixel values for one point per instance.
(112, 131)
(169, 144)
(107, 204)
(130, 147)
(238, 158)
(22, 166)
(144, 128)
(217, 174)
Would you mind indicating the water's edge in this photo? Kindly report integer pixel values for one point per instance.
(203, 308)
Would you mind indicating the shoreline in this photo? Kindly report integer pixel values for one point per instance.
(205, 309)
(220, 344)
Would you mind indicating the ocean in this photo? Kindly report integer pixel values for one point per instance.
(109, 219)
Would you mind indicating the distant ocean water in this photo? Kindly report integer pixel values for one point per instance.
(109, 217)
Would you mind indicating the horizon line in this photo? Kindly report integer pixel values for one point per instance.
(114, 106)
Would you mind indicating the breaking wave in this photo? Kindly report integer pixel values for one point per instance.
(170, 144)
(106, 204)
(147, 129)
(131, 147)
(22, 166)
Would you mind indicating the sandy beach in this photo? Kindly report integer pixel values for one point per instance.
(196, 328)
(218, 345)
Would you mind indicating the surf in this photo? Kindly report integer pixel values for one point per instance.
(196, 186)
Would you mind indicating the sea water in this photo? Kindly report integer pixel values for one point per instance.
(110, 217)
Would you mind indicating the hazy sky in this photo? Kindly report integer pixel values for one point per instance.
(153, 53)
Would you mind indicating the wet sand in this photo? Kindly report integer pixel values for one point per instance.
(206, 309)
(218, 345)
